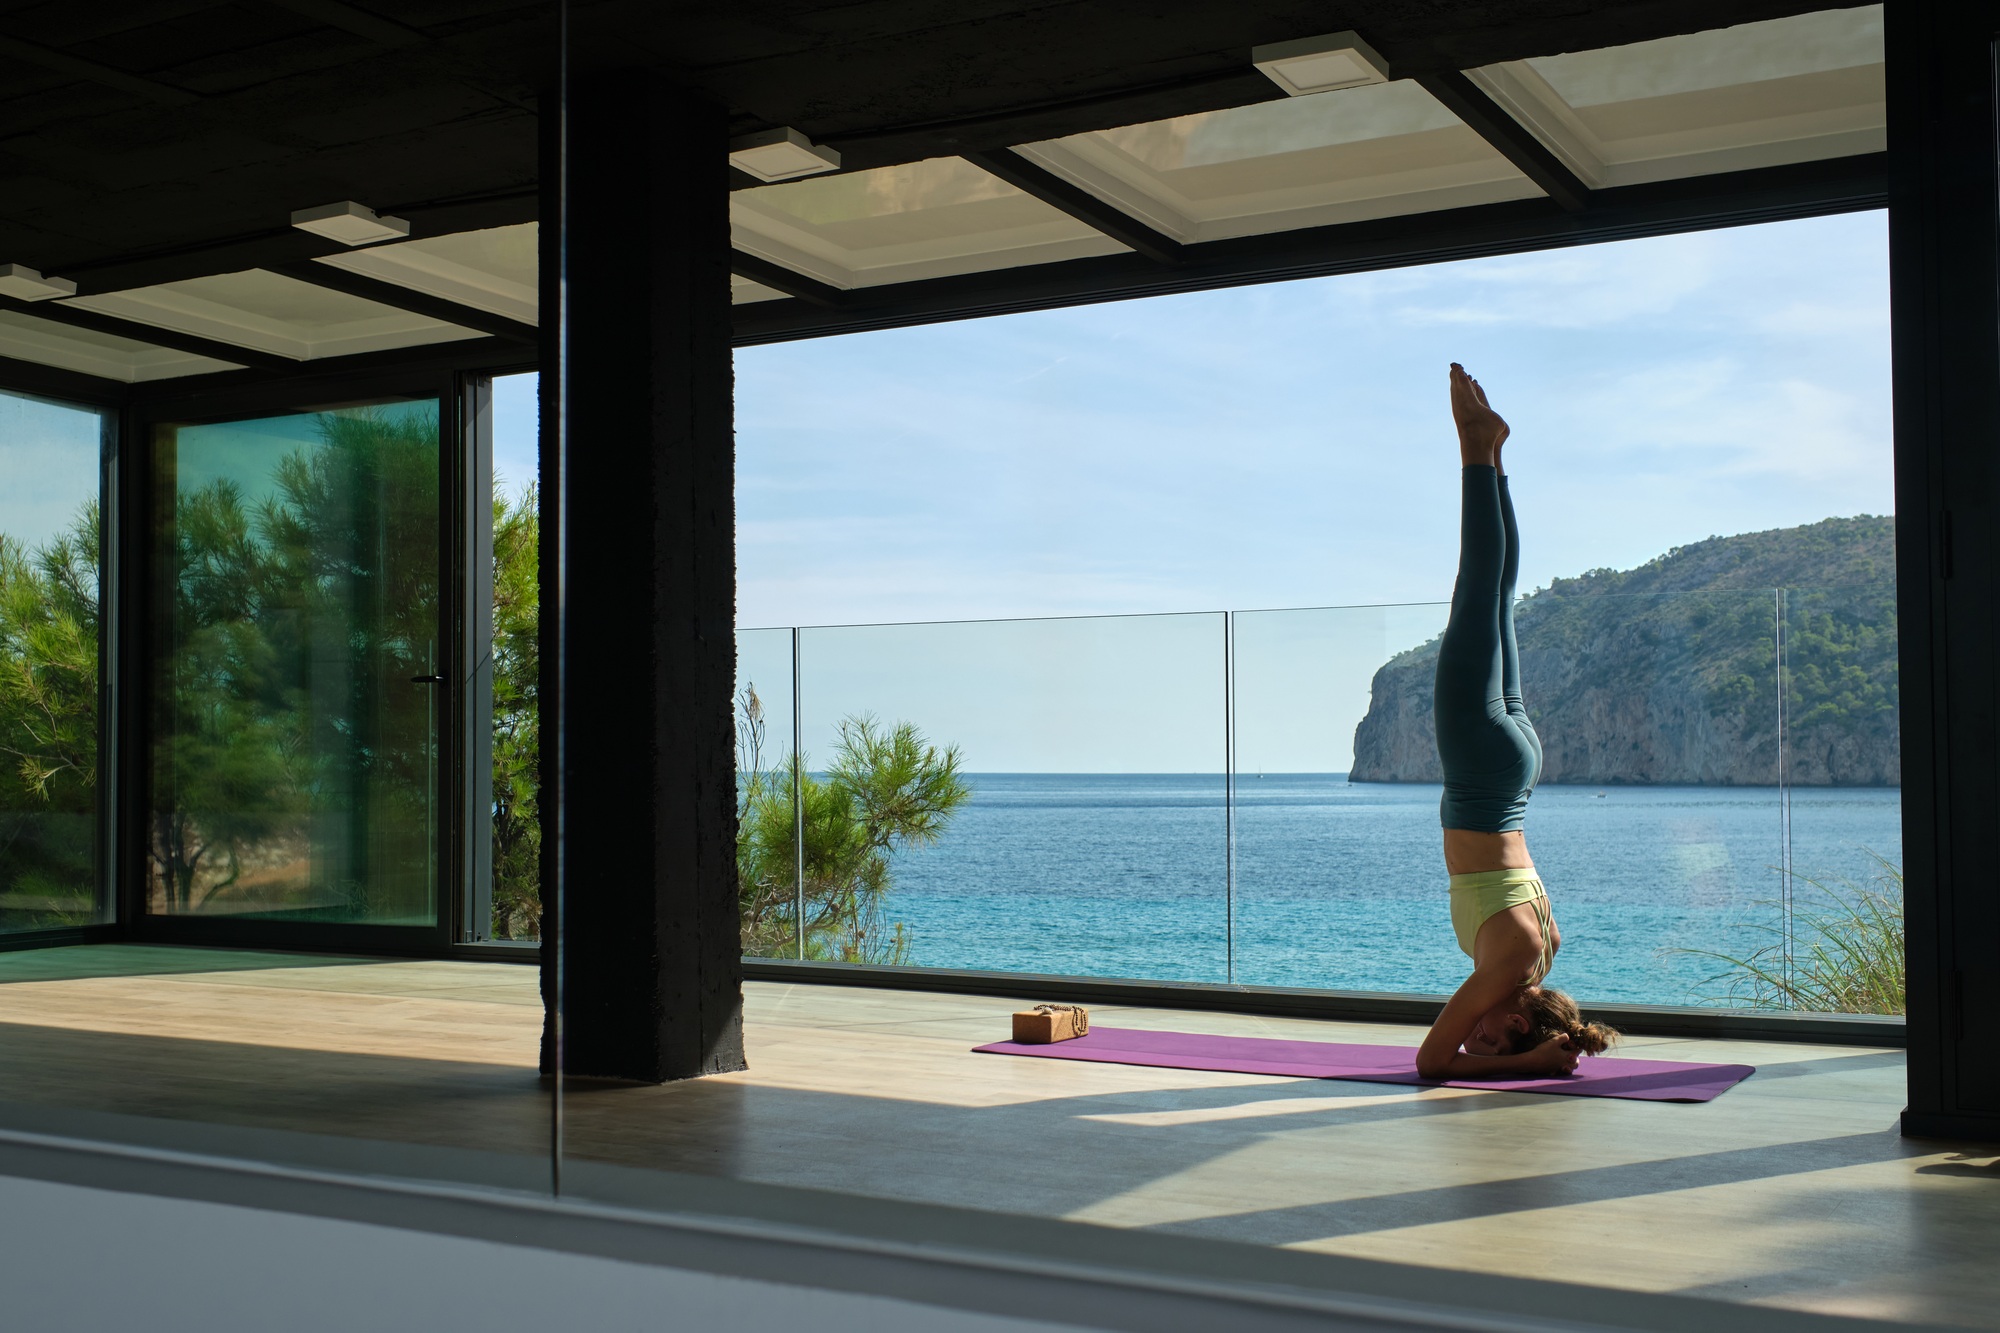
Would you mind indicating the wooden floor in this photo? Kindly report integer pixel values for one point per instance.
(1793, 1189)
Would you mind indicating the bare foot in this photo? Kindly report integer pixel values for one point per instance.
(1481, 431)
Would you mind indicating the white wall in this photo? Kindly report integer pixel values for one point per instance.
(94, 1261)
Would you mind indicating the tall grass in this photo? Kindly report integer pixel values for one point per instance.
(1846, 954)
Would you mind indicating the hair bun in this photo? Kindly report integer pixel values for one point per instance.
(1551, 1013)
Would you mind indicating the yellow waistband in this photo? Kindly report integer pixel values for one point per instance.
(1493, 879)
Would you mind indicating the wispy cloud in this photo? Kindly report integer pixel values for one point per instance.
(1288, 444)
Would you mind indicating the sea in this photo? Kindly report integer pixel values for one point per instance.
(1340, 885)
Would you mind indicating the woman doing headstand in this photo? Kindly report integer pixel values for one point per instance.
(1501, 1022)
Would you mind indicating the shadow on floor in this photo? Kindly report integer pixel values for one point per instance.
(77, 962)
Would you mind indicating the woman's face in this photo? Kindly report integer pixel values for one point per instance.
(1494, 1033)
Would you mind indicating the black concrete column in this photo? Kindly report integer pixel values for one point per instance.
(639, 632)
(1943, 230)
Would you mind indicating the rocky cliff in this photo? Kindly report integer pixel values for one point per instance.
(1669, 673)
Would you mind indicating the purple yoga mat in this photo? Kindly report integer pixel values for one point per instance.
(1595, 1076)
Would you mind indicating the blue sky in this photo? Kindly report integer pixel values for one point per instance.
(1285, 445)
(1278, 446)
(49, 463)
(1288, 445)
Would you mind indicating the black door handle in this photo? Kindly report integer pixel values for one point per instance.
(427, 680)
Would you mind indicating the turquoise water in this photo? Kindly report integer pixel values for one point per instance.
(1341, 885)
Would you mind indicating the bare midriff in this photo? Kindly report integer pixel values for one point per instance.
(1467, 852)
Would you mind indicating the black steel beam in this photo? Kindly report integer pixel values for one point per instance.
(1509, 137)
(781, 279)
(1769, 194)
(336, 376)
(78, 318)
(40, 381)
(400, 297)
(1080, 204)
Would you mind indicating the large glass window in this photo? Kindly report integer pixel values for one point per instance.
(50, 870)
(513, 910)
(297, 681)
(1707, 627)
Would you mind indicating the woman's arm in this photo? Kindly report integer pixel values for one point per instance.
(1440, 1056)
(1490, 983)
(1552, 1058)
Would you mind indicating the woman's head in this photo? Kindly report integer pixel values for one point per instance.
(1529, 1017)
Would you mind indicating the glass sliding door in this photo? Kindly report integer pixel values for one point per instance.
(51, 461)
(503, 697)
(298, 694)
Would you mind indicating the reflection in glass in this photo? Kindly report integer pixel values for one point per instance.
(295, 700)
(1700, 840)
(1657, 823)
(1338, 878)
(1042, 796)
(516, 646)
(49, 769)
(1843, 947)
(769, 887)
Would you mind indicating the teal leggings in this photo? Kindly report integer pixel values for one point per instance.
(1486, 745)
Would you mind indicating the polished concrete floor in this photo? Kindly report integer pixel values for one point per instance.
(1792, 1189)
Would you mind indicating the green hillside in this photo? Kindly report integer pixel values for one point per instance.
(1668, 673)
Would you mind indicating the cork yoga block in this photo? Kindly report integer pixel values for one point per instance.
(1047, 1023)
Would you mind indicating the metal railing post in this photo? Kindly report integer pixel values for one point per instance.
(1786, 906)
(1229, 793)
(798, 809)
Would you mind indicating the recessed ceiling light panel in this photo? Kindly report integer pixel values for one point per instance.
(25, 284)
(350, 223)
(1321, 64)
(780, 155)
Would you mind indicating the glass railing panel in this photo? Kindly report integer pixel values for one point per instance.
(50, 868)
(1026, 796)
(1843, 950)
(766, 822)
(1337, 870)
(1657, 824)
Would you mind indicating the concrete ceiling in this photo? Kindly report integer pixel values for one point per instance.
(147, 128)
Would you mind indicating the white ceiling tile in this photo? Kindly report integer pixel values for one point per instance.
(492, 270)
(26, 338)
(1756, 95)
(270, 313)
(1343, 156)
(905, 223)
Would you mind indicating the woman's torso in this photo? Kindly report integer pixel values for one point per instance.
(1467, 852)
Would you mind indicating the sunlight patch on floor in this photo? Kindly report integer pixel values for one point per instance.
(1279, 1107)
